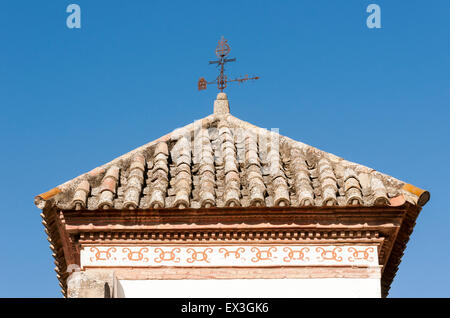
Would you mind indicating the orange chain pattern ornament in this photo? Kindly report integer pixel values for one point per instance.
(195, 255)
(171, 255)
(139, 254)
(236, 252)
(259, 254)
(291, 254)
(356, 253)
(98, 253)
(332, 254)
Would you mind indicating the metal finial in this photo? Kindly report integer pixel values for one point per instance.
(222, 50)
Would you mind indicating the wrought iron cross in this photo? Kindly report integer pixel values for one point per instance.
(222, 50)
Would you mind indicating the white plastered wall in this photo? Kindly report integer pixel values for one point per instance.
(251, 288)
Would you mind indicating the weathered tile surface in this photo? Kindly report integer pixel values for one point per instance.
(223, 161)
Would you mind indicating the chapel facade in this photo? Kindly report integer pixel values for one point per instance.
(222, 208)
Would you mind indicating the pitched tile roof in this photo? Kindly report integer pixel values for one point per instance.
(220, 161)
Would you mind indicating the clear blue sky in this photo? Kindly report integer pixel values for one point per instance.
(74, 99)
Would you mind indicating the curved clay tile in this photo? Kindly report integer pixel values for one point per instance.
(302, 181)
(421, 197)
(206, 170)
(328, 182)
(379, 192)
(160, 162)
(79, 200)
(135, 182)
(232, 180)
(279, 184)
(159, 176)
(108, 188)
(256, 185)
(181, 155)
(352, 188)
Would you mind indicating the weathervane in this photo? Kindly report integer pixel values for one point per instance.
(222, 50)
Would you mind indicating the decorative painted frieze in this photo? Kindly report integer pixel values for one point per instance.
(228, 255)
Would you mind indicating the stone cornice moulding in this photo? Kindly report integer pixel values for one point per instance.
(235, 216)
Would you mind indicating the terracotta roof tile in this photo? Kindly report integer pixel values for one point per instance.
(135, 182)
(223, 161)
(80, 197)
